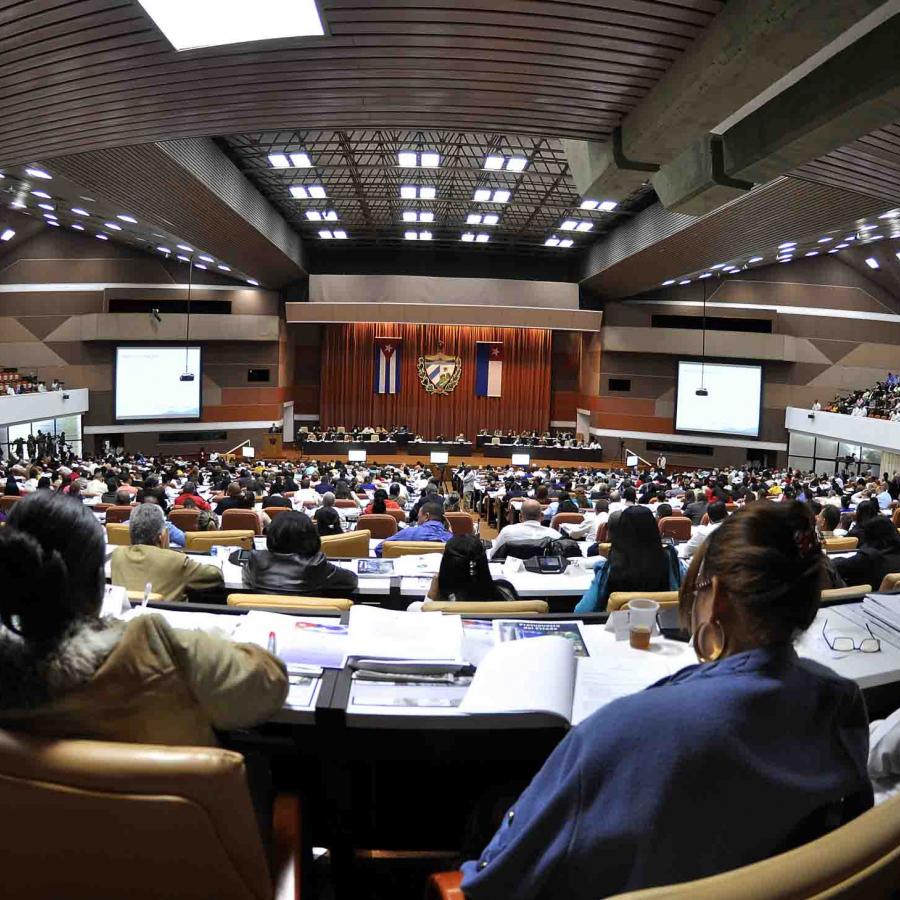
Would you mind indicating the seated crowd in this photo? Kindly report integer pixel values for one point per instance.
(881, 401)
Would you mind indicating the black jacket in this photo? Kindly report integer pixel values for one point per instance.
(288, 573)
(868, 566)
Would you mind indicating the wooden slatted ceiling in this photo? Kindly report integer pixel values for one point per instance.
(870, 165)
(77, 75)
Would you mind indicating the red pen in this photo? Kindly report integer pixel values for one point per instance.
(271, 645)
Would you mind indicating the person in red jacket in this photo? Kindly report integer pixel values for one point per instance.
(190, 490)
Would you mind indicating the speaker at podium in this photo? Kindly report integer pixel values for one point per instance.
(272, 446)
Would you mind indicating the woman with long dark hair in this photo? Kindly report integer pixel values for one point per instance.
(465, 575)
(637, 561)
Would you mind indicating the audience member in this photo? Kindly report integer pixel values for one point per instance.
(717, 513)
(465, 574)
(528, 531)
(430, 526)
(878, 554)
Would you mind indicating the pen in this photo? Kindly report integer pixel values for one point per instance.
(271, 644)
(148, 590)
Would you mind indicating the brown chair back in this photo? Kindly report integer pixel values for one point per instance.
(677, 527)
(141, 801)
(568, 518)
(285, 601)
(240, 520)
(184, 519)
(398, 514)
(8, 501)
(273, 511)
(895, 517)
(346, 504)
(393, 549)
(101, 507)
(202, 541)
(351, 545)
(118, 514)
(380, 524)
(460, 523)
(603, 533)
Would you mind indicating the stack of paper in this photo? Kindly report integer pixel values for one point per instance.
(883, 607)
(384, 634)
(308, 642)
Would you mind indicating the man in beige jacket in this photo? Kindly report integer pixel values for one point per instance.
(149, 559)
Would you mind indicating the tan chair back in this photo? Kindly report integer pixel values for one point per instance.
(380, 524)
(202, 541)
(677, 527)
(240, 520)
(138, 597)
(840, 543)
(460, 523)
(256, 601)
(890, 582)
(859, 861)
(350, 545)
(604, 548)
(618, 599)
(118, 514)
(184, 519)
(118, 534)
(140, 800)
(566, 518)
(393, 549)
(273, 511)
(500, 607)
(8, 501)
(854, 592)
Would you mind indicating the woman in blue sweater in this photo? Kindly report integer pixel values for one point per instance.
(747, 754)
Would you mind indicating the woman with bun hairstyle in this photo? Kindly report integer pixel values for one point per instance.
(749, 753)
(66, 672)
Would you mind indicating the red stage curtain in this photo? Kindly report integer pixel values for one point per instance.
(348, 372)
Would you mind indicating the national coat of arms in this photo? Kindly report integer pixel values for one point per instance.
(439, 373)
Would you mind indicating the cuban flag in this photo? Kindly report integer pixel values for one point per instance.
(488, 369)
(387, 365)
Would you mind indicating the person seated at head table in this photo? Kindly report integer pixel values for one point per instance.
(465, 574)
(380, 503)
(877, 554)
(293, 561)
(637, 561)
(430, 526)
(66, 672)
(529, 530)
(149, 560)
(327, 518)
(589, 824)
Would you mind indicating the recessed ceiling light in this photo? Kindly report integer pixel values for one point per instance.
(841, 246)
(755, 259)
(411, 235)
(50, 216)
(568, 225)
(53, 222)
(706, 275)
(490, 219)
(867, 227)
(787, 245)
(494, 162)
(431, 160)
(224, 268)
(410, 216)
(330, 215)
(164, 249)
(78, 226)
(313, 215)
(785, 259)
(49, 206)
(482, 195)
(825, 240)
(426, 193)
(112, 226)
(298, 192)
(482, 238)
(812, 253)
(211, 23)
(38, 173)
(719, 266)
(426, 216)
(584, 226)
(18, 204)
(301, 161)
(317, 192)
(185, 248)
(42, 194)
(516, 163)
(833, 251)
(253, 281)
(667, 283)
(102, 237)
(424, 235)
(566, 242)
(850, 237)
(8, 234)
(199, 266)
(890, 215)
(607, 205)
(79, 211)
(207, 258)
(467, 236)
(685, 281)
(341, 235)
(589, 204)
(408, 192)
(183, 258)
(126, 218)
(552, 242)
(473, 219)
(408, 159)
(874, 237)
(501, 197)
(872, 263)
(279, 161)
(326, 234)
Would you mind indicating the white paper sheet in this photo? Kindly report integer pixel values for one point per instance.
(385, 634)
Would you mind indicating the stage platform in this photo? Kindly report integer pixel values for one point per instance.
(475, 458)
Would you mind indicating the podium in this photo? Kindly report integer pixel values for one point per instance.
(272, 446)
